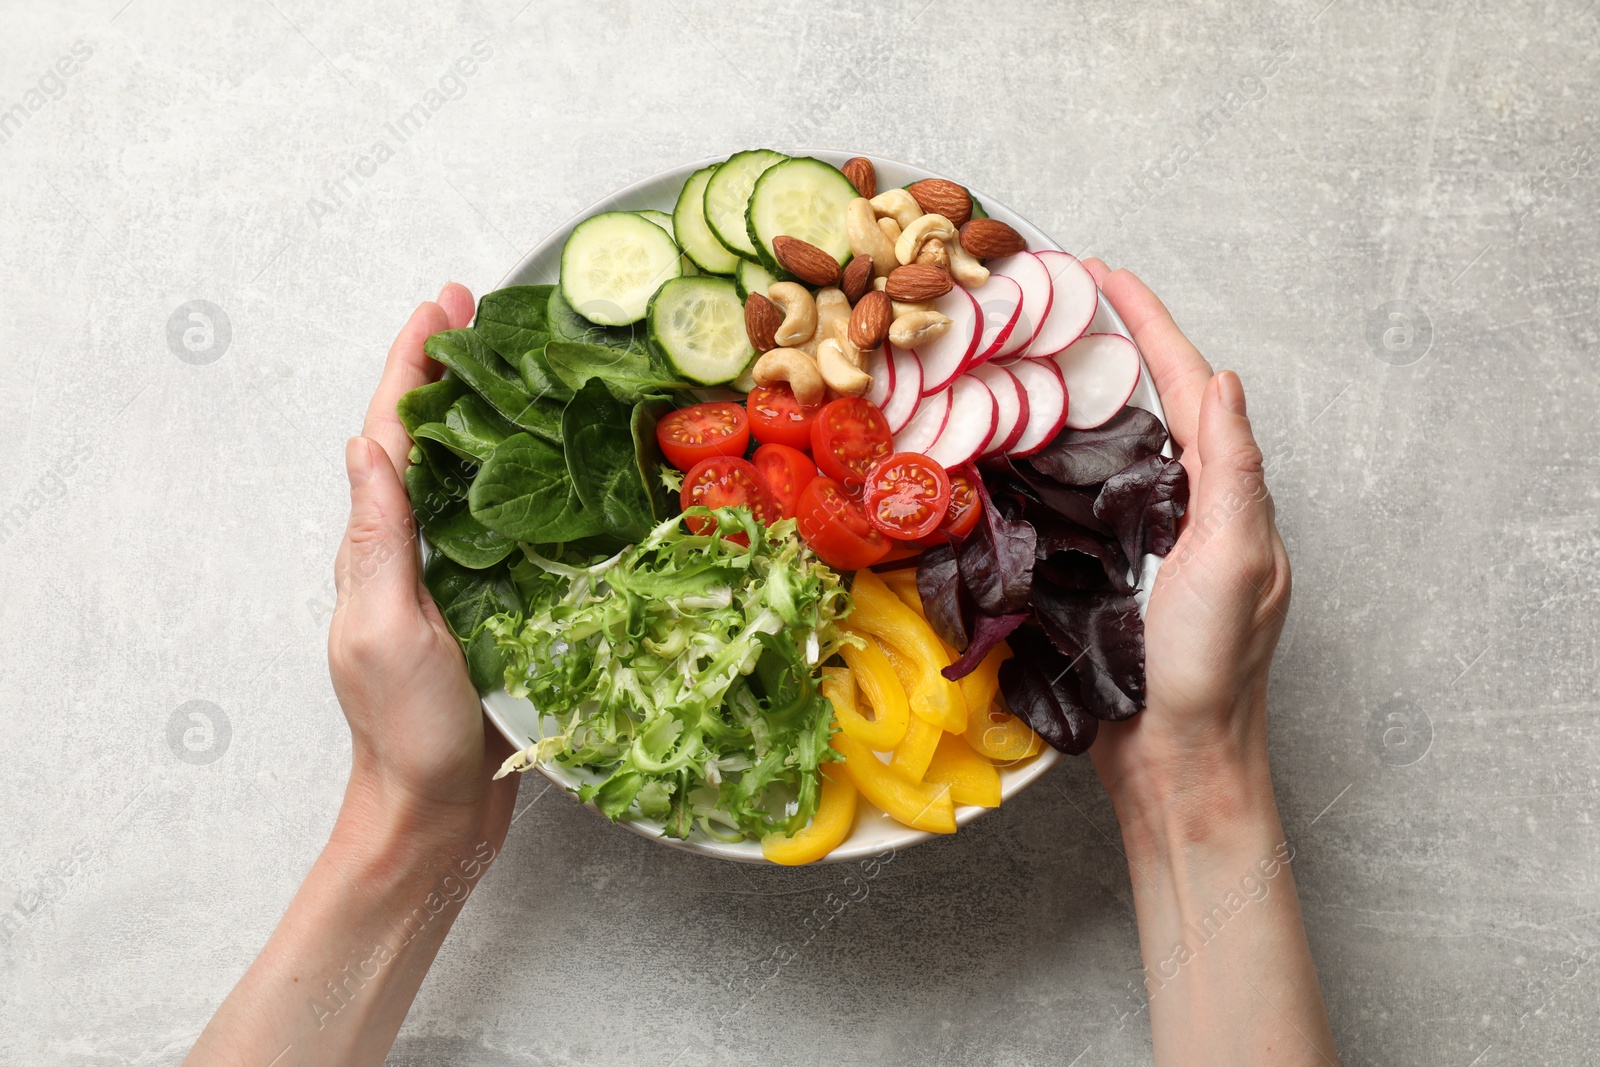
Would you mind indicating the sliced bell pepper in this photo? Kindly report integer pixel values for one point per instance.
(999, 735)
(971, 778)
(914, 804)
(883, 615)
(911, 755)
(828, 828)
(872, 673)
(980, 686)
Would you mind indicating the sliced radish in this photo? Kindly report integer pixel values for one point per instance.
(907, 390)
(999, 306)
(973, 412)
(1047, 405)
(881, 367)
(944, 357)
(1076, 299)
(1031, 275)
(1100, 371)
(926, 425)
(1011, 407)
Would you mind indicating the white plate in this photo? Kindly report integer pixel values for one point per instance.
(875, 832)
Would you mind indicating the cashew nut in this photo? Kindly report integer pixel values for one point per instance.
(836, 370)
(866, 238)
(799, 313)
(891, 230)
(924, 228)
(934, 255)
(852, 354)
(795, 367)
(963, 267)
(832, 307)
(898, 205)
(917, 327)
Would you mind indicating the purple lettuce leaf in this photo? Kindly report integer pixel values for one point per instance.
(1073, 503)
(939, 585)
(1089, 457)
(1143, 504)
(996, 560)
(988, 631)
(1102, 634)
(1039, 689)
(1057, 537)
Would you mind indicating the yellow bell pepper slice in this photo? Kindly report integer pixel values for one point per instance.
(980, 686)
(971, 778)
(903, 584)
(911, 756)
(828, 828)
(1001, 736)
(888, 727)
(883, 615)
(914, 804)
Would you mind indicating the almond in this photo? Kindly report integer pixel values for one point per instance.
(761, 321)
(870, 321)
(857, 278)
(863, 175)
(990, 239)
(937, 196)
(918, 281)
(805, 261)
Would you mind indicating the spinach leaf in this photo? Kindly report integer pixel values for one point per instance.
(471, 429)
(647, 454)
(450, 526)
(628, 374)
(424, 406)
(510, 319)
(522, 491)
(1089, 457)
(565, 324)
(603, 465)
(466, 353)
(537, 375)
(1143, 504)
(428, 403)
(467, 599)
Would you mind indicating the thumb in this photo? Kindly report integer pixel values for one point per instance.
(1232, 482)
(378, 559)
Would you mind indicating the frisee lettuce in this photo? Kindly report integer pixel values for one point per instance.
(683, 671)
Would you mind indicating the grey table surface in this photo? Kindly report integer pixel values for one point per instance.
(1382, 215)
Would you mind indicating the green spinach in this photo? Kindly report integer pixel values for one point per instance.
(467, 599)
(471, 429)
(467, 354)
(627, 374)
(450, 526)
(602, 463)
(512, 319)
(522, 491)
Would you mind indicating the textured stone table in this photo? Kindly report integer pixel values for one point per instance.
(1383, 219)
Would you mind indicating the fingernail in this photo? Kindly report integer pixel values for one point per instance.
(357, 461)
(1231, 392)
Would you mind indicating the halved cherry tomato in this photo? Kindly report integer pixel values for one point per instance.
(776, 417)
(787, 471)
(836, 529)
(965, 507)
(907, 495)
(848, 437)
(726, 481)
(701, 431)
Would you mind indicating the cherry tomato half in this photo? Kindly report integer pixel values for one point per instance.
(907, 496)
(701, 431)
(726, 481)
(836, 529)
(786, 471)
(776, 417)
(848, 437)
(964, 509)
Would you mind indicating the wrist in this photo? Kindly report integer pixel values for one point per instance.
(396, 838)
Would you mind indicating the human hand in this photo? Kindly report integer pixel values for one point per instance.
(420, 750)
(1218, 605)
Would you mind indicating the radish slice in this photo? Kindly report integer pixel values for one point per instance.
(926, 425)
(1011, 407)
(944, 357)
(1047, 405)
(999, 307)
(1033, 277)
(1073, 308)
(970, 425)
(1099, 371)
(881, 367)
(907, 390)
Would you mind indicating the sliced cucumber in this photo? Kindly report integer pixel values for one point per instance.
(728, 193)
(753, 278)
(689, 227)
(660, 218)
(698, 324)
(803, 198)
(977, 208)
(612, 265)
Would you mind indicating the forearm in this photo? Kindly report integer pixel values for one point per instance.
(1227, 967)
(340, 971)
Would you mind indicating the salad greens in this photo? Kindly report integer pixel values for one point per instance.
(681, 670)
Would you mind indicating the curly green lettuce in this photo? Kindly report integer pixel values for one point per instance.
(683, 670)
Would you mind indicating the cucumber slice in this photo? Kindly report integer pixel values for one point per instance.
(698, 324)
(612, 265)
(662, 219)
(977, 208)
(728, 193)
(804, 198)
(753, 278)
(690, 229)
